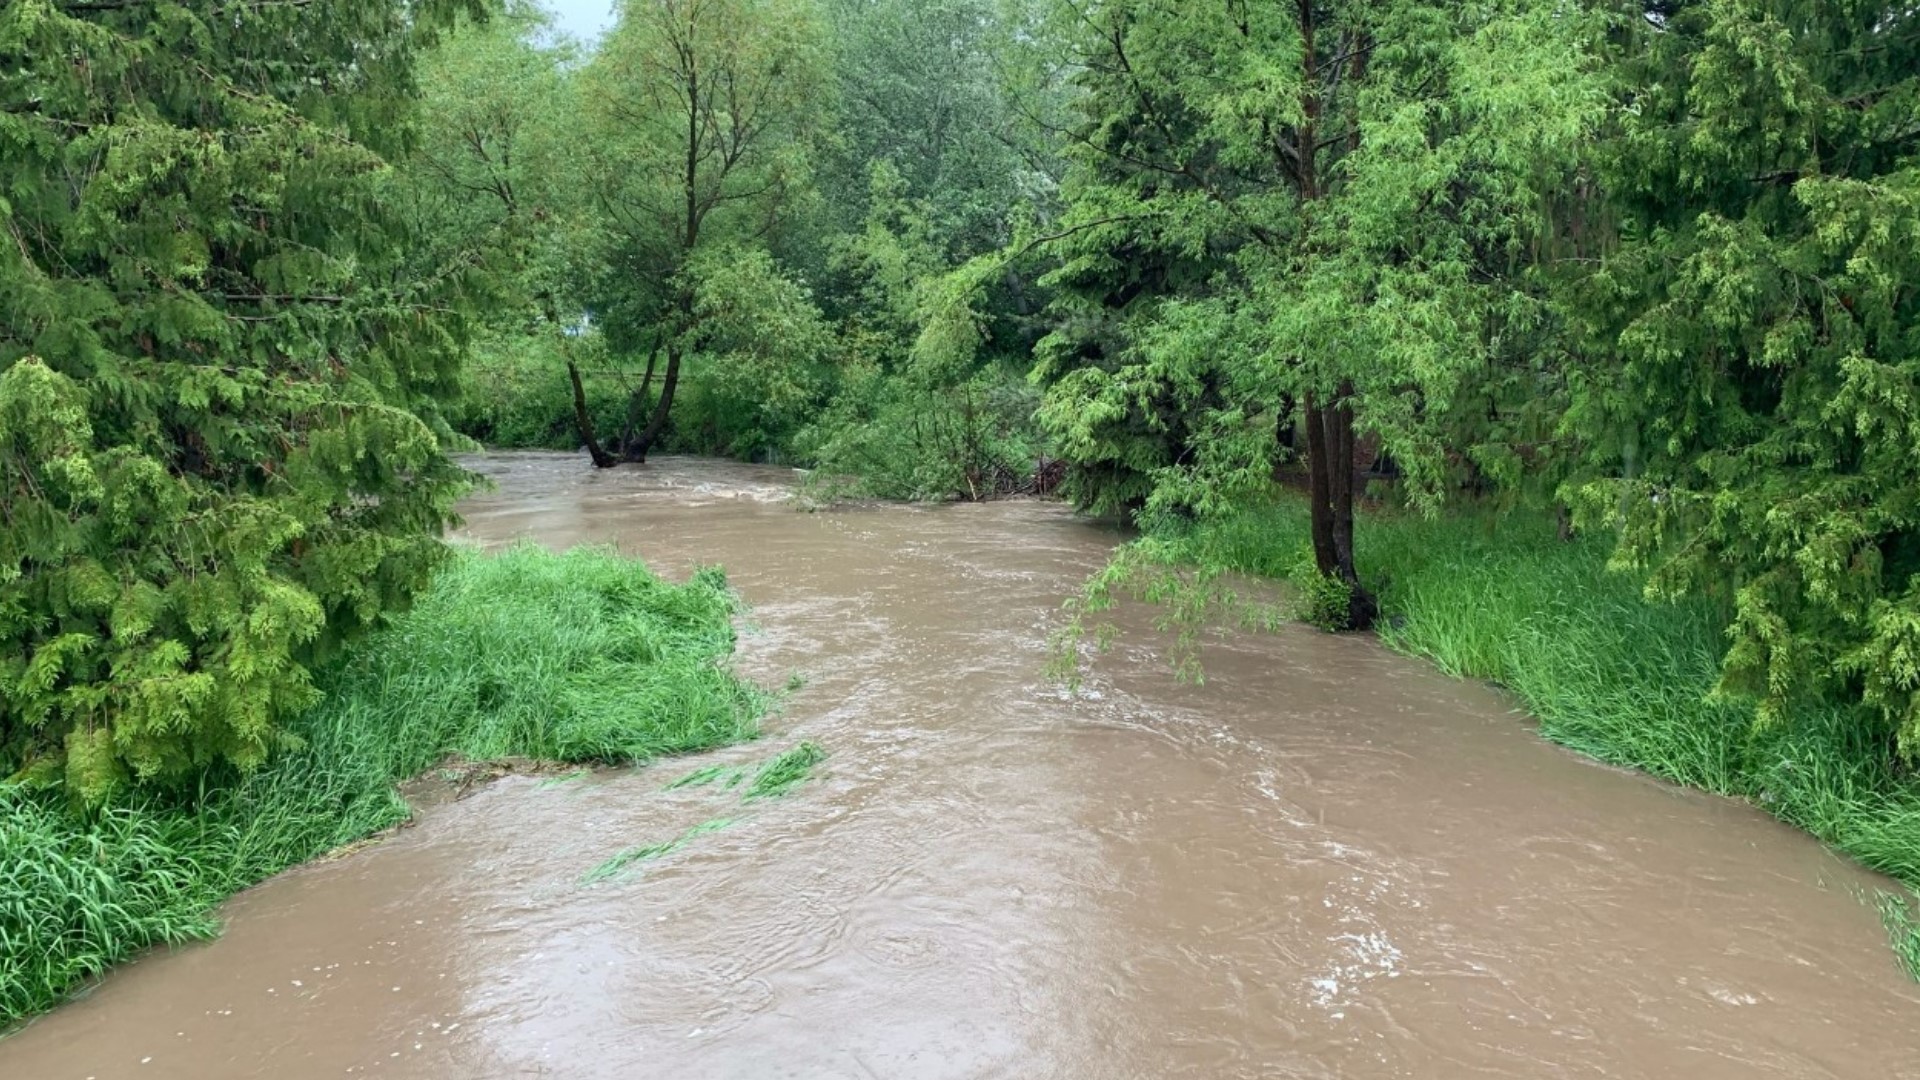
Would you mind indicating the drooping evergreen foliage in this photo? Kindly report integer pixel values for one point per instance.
(1651, 260)
(1298, 209)
(217, 364)
(1752, 411)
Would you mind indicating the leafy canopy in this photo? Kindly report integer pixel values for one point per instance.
(1751, 425)
(212, 469)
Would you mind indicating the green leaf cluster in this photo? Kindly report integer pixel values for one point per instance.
(1751, 421)
(1272, 207)
(219, 456)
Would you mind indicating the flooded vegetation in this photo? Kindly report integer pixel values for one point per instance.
(959, 538)
(1328, 861)
(513, 663)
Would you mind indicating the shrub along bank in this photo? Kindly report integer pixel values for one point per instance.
(582, 657)
(1607, 673)
(867, 435)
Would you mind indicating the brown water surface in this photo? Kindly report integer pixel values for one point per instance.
(1329, 861)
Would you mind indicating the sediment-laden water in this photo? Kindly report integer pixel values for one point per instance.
(1328, 861)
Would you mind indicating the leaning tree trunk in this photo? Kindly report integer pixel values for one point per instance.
(1330, 493)
(583, 419)
(657, 425)
(637, 403)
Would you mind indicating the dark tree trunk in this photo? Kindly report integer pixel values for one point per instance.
(638, 449)
(1330, 476)
(583, 419)
(1341, 466)
(657, 424)
(637, 403)
(1320, 488)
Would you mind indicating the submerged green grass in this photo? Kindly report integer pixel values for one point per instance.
(722, 776)
(775, 778)
(778, 776)
(1606, 672)
(783, 773)
(622, 865)
(583, 657)
(1898, 915)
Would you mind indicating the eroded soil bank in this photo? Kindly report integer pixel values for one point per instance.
(1329, 861)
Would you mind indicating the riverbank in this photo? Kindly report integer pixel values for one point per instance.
(1606, 673)
(865, 438)
(584, 657)
(1330, 859)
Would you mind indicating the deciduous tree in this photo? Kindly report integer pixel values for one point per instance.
(704, 117)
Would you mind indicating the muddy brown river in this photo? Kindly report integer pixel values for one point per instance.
(1328, 861)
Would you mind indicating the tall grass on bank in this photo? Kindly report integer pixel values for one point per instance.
(1606, 672)
(581, 657)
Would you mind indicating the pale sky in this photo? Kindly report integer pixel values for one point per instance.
(583, 19)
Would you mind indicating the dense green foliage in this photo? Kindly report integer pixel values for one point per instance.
(516, 392)
(1645, 273)
(578, 657)
(1328, 196)
(217, 368)
(757, 275)
(1649, 264)
(1752, 418)
(921, 91)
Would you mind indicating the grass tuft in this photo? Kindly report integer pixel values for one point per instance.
(1898, 915)
(621, 865)
(727, 778)
(584, 657)
(785, 772)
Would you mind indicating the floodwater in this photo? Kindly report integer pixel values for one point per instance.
(1328, 861)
